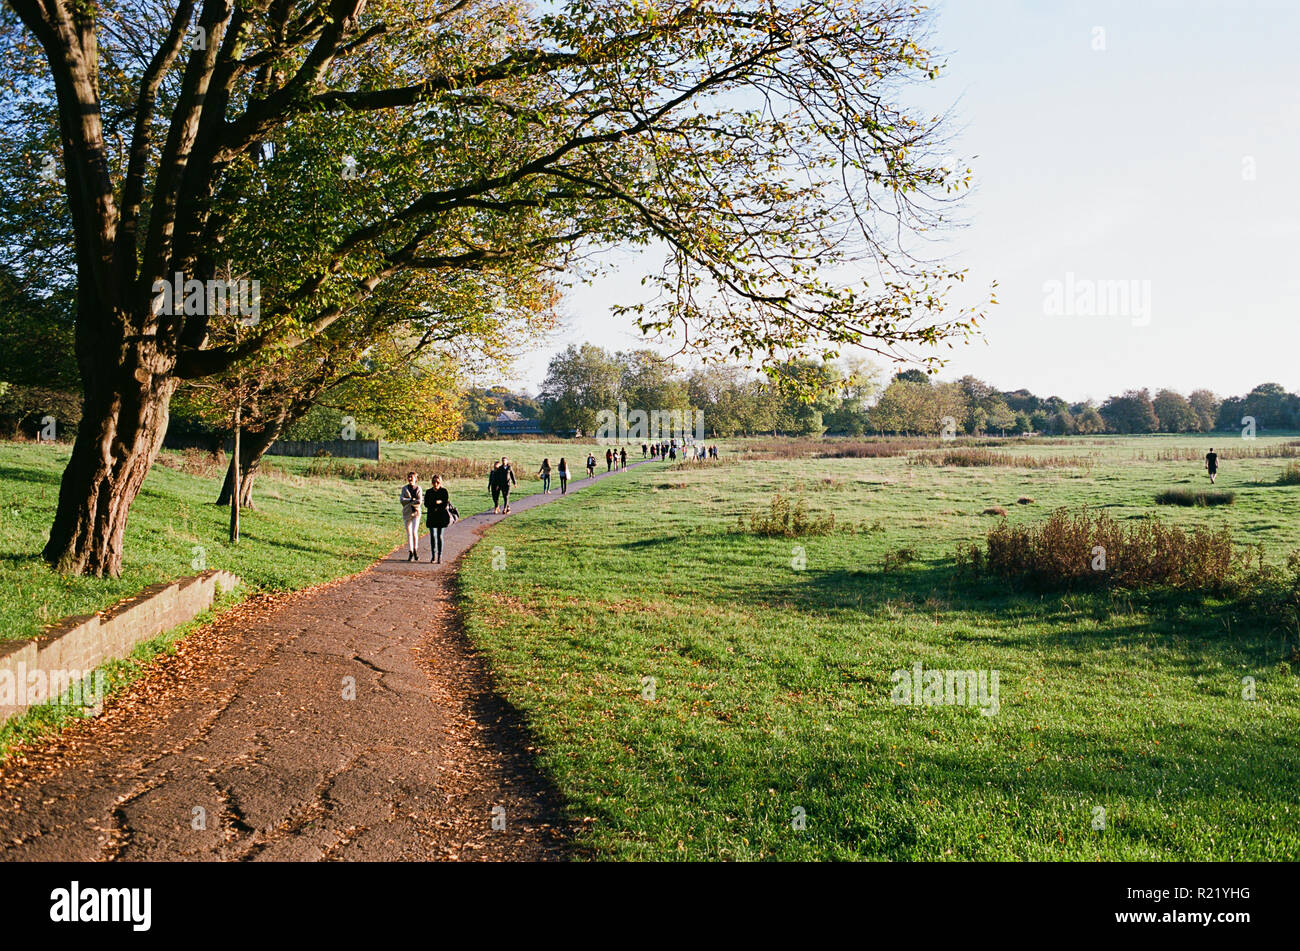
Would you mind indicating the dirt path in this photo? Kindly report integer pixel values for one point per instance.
(245, 745)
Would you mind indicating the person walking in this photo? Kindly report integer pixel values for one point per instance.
(494, 486)
(609, 460)
(644, 450)
(410, 497)
(545, 473)
(1212, 464)
(505, 479)
(591, 465)
(622, 456)
(564, 476)
(438, 504)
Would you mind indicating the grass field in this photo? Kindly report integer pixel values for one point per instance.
(698, 696)
(303, 531)
(700, 691)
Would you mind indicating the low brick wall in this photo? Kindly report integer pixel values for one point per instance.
(30, 670)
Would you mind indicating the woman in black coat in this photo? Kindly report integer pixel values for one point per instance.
(438, 504)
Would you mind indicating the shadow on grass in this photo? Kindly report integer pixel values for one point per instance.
(1207, 630)
(38, 476)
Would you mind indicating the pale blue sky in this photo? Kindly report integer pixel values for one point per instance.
(1124, 164)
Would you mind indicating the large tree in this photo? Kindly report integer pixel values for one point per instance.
(760, 143)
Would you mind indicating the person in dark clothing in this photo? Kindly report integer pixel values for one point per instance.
(591, 465)
(545, 473)
(495, 488)
(622, 458)
(438, 506)
(644, 449)
(609, 460)
(505, 478)
(1212, 464)
(563, 472)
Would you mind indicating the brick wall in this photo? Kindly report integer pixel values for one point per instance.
(84, 642)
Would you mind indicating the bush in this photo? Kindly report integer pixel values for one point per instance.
(969, 457)
(898, 558)
(995, 510)
(390, 471)
(1079, 549)
(1201, 497)
(1290, 475)
(788, 521)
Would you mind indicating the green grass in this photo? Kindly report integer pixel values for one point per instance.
(771, 685)
(303, 531)
(300, 534)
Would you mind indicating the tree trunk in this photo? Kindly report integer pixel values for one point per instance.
(124, 419)
(253, 445)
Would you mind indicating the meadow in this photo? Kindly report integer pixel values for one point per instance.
(701, 691)
(304, 529)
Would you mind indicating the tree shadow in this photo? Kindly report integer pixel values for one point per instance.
(1207, 631)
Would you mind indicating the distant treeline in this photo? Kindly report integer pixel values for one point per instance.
(852, 397)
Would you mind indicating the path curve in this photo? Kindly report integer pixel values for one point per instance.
(242, 746)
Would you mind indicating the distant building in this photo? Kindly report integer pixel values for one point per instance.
(510, 423)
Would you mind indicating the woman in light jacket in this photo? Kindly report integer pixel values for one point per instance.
(411, 515)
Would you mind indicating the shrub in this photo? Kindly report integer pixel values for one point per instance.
(1080, 549)
(1290, 475)
(969, 457)
(994, 510)
(897, 558)
(194, 461)
(1201, 497)
(1286, 450)
(1025, 500)
(395, 471)
(788, 520)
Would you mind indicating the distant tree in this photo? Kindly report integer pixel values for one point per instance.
(947, 402)
(1272, 407)
(580, 383)
(906, 407)
(860, 382)
(1000, 418)
(1022, 401)
(1206, 406)
(649, 382)
(36, 337)
(912, 375)
(1175, 413)
(1130, 412)
(1087, 421)
(1061, 423)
